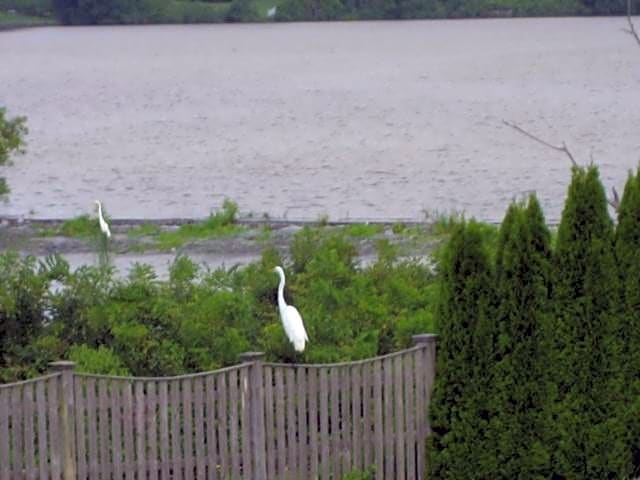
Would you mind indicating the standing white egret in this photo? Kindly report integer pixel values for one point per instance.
(104, 226)
(291, 319)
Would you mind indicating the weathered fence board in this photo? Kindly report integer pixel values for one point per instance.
(253, 421)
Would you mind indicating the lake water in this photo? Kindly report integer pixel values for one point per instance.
(376, 120)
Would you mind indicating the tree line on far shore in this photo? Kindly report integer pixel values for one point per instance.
(92, 12)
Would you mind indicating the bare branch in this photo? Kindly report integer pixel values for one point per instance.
(615, 201)
(562, 148)
(632, 29)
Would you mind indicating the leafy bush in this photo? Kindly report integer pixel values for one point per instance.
(201, 320)
(12, 133)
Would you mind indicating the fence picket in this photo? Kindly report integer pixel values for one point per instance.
(400, 430)
(312, 427)
(334, 423)
(409, 391)
(29, 437)
(378, 445)
(389, 436)
(221, 413)
(4, 435)
(245, 422)
(270, 427)
(303, 452)
(212, 440)
(281, 448)
(152, 431)
(234, 440)
(17, 446)
(346, 418)
(187, 424)
(116, 428)
(324, 424)
(163, 426)
(198, 410)
(420, 411)
(141, 445)
(53, 386)
(127, 427)
(356, 412)
(291, 424)
(367, 415)
(176, 436)
(81, 422)
(104, 430)
(41, 408)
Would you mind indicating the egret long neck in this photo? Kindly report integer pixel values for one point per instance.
(281, 303)
(100, 210)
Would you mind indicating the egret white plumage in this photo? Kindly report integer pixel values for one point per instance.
(104, 226)
(291, 319)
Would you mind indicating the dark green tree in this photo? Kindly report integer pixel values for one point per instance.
(460, 405)
(628, 259)
(519, 423)
(589, 438)
(12, 133)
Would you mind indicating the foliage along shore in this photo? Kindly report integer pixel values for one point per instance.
(17, 13)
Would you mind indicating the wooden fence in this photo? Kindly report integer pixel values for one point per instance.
(255, 420)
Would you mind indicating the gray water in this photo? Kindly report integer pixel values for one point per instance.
(370, 119)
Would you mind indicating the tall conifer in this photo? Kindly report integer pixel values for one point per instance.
(519, 423)
(627, 249)
(460, 406)
(589, 441)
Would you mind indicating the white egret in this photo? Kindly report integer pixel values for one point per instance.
(291, 319)
(104, 226)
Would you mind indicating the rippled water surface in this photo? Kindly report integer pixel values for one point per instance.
(370, 119)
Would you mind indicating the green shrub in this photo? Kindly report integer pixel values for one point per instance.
(97, 360)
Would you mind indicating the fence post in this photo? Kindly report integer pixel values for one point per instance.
(428, 341)
(256, 412)
(67, 417)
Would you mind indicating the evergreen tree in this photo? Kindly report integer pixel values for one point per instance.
(460, 406)
(589, 435)
(627, 249)
(519, 425)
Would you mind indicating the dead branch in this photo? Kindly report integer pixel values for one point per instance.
(562, 149)
(614, 201)
(632, 29)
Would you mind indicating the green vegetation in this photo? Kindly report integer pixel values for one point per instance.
(12, 133)
(363, 230)
(200, 319)
(144, 230)
(219, 224)
(82, 226)
(586, 347)
(460, 408)
(628, 259)
(538, 348)
(186, 11)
